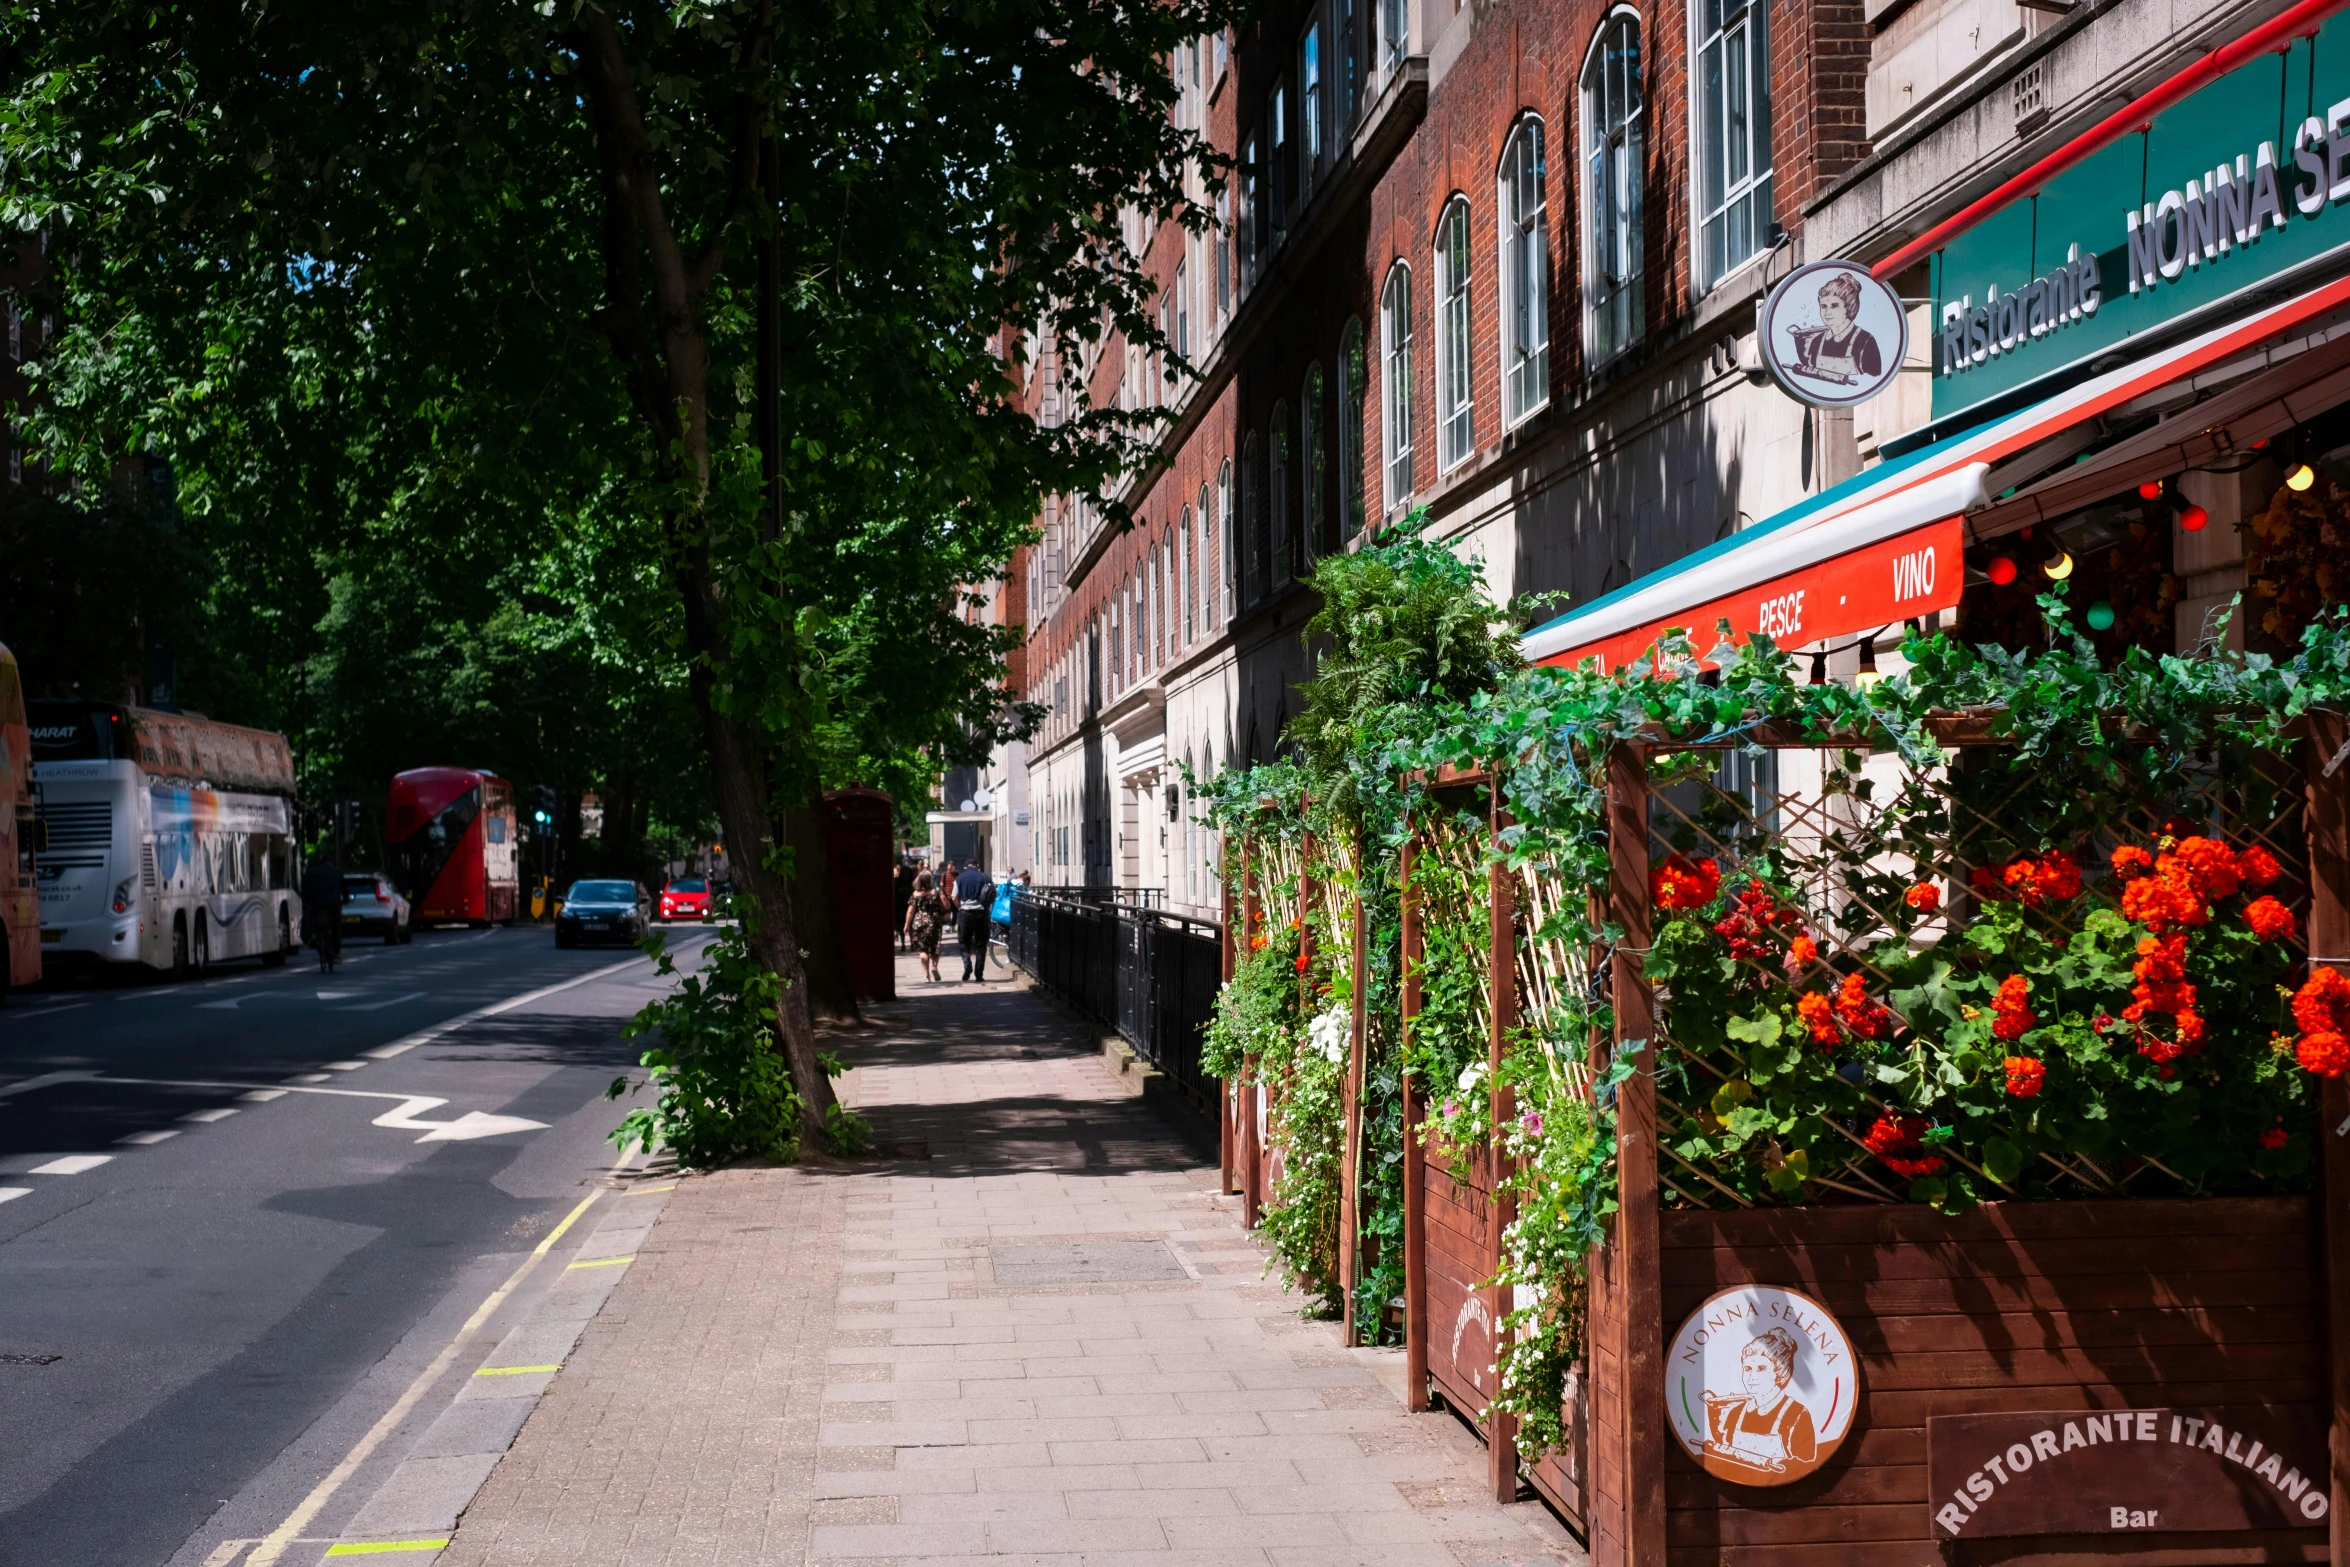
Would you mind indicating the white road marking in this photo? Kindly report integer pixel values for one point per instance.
(45, 1080)
(308, 1077)
(339, 995)
(11, 1193)
(390, 1001)
(467, 1127)
(147, 1139)
(72, 1164)
(344, 1066)
(38, 1011)
(495, 1009)
(202, 1117)
(262, 1096)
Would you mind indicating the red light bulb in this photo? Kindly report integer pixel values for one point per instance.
(2194, 519)
(2001, 570)
(2150, 490)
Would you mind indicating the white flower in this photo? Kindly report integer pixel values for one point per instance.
(1330, 1033)
(1472, 1075)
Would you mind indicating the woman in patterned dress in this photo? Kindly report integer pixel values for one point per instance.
(922, 924)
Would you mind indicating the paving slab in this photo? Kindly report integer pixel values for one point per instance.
(1046, 1343)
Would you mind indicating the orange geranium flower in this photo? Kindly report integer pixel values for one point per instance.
(1865, 1016)
(1682, 883)
(2269, 919)
(2012, 1015)
(1925, 897)
(1819, 1015)
(2258, 867)
(2025, 1075)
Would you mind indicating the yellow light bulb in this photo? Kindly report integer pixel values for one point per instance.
(2301, 478)
(2059, 568)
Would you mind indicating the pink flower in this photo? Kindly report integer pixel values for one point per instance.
(1531, 1121)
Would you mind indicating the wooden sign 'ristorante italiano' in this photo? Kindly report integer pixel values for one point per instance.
(1759, 1385)
(2128, 1471)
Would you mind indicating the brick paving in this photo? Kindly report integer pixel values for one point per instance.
(821, 1366)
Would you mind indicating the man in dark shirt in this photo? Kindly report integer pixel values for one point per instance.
(973, 893)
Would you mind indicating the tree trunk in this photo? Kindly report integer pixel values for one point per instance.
(830, 989)
(738, 777)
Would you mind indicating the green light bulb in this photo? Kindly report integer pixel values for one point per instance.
(2100, 616)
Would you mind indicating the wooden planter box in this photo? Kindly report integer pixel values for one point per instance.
(2016, 1306)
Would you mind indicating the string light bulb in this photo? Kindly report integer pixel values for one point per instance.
(2001, 571)
(2100, 616)
(2059, 566)
(2150, 490)
(2194, 519)
(2301, 478)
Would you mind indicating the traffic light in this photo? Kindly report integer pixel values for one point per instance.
(544, 796)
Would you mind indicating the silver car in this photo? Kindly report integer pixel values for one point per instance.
(372, 906)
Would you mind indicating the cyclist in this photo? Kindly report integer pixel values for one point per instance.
(322, 911)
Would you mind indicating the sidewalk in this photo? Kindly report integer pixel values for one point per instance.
(1035, 1337)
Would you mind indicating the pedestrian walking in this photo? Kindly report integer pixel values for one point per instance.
(923, 917)
(972, 896)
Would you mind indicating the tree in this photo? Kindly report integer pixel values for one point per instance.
(507, 253)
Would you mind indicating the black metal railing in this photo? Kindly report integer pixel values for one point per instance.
(1148, 974)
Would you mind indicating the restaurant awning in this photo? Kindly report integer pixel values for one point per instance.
(1884, 546)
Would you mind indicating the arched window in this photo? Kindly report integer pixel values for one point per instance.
(1733, 84)
(1252, 520)
(1352, 375)
(1395, 383)
(1227, 545)
(1613, 247)
(1455, 408)
(1187, 579)
(1277, 494)
(1313, 467)
(1525, 275)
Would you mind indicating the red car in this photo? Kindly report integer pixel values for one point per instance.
(687, 898)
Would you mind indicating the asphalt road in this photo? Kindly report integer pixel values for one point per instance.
(229, 1234)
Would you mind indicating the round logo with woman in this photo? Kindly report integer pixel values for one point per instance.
(1760, 1385)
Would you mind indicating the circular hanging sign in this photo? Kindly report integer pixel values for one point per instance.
(1760, 1385)
(1832, 335)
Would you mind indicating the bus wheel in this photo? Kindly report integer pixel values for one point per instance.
(179, 945)
(285, 942)
(201, 958)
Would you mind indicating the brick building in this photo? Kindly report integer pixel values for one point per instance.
(1503, 260)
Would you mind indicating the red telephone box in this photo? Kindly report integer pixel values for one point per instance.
(859, 835)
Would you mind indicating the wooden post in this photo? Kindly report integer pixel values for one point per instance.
(1637, 1265)
(2327, 810)
(1252, 1163)
(1501, 979)
(1228, 1129)
(1350, 1177)
(1415, 1160)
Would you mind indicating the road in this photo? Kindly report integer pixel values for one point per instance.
(239, 1214)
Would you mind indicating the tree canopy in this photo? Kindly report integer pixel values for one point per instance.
(447, 315)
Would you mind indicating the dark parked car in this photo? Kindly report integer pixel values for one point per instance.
(373, 907)
(603, 911)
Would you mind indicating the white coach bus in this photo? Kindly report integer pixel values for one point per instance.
(171, 838)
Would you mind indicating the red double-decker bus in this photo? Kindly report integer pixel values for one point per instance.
(450, 841)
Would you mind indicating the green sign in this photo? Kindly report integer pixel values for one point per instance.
(2248, 178)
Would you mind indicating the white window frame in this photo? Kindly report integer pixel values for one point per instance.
(1227, 544)
(1748, 31)
(1353, 383)
(1187, 574)
(1522, 211)
(1313, 121)
(1183, 307)
(1280, 534)
(1313, 461)
(1456, 382)
(1396, 477)
(1614, 140)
